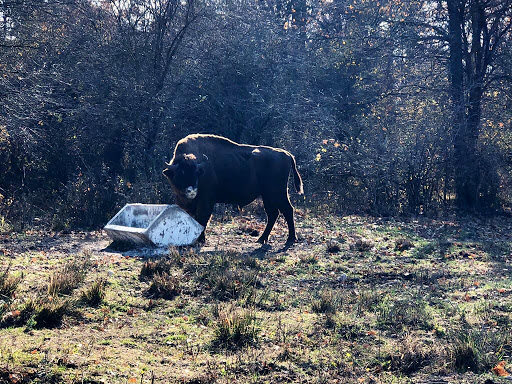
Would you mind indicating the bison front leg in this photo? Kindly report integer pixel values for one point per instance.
(203, 214)
(272, 213)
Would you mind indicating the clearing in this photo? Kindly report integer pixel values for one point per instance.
(358, 300)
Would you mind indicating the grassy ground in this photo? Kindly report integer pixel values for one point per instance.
(358, 300)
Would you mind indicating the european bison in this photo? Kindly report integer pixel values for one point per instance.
(209, 169)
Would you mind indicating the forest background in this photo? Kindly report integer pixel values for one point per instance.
(391, 107)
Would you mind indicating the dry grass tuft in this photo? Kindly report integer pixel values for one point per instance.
(235, 328)
(72, 274)
(333, 247)
(412, 355)
(326, 301)
(164, 286)
(8, 283)
(38, 313)
(151, 268)
(226, 275)
(50, 314)
(95, 294)
(361, 245)
(403, 244)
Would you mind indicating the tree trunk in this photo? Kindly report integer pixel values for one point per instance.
(463, 148)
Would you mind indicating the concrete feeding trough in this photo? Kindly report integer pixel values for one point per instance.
(154, 224)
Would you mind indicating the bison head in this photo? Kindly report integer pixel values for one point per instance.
(183, 173)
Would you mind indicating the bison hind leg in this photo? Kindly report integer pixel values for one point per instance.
(287, 211)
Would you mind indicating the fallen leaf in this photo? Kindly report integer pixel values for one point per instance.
(500, 370)
(132, 380)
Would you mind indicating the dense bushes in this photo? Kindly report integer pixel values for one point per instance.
(94, 97)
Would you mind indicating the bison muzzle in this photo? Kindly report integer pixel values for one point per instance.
(209, 169)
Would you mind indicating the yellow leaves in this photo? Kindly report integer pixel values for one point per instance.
(318, 157)
(4, 134)
(286, 26)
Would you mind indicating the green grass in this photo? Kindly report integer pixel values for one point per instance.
(358, 301)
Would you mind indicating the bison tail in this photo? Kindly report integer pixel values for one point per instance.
(296, 177)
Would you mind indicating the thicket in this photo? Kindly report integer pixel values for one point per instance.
(391, 107)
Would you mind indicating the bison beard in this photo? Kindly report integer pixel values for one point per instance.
(209, 169)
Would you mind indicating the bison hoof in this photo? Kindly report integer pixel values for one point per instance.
(290, 241)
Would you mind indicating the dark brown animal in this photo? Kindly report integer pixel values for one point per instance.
(209, 169)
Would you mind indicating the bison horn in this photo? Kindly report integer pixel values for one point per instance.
(205, 157)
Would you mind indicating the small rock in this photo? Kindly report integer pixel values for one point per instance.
(342, 278)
